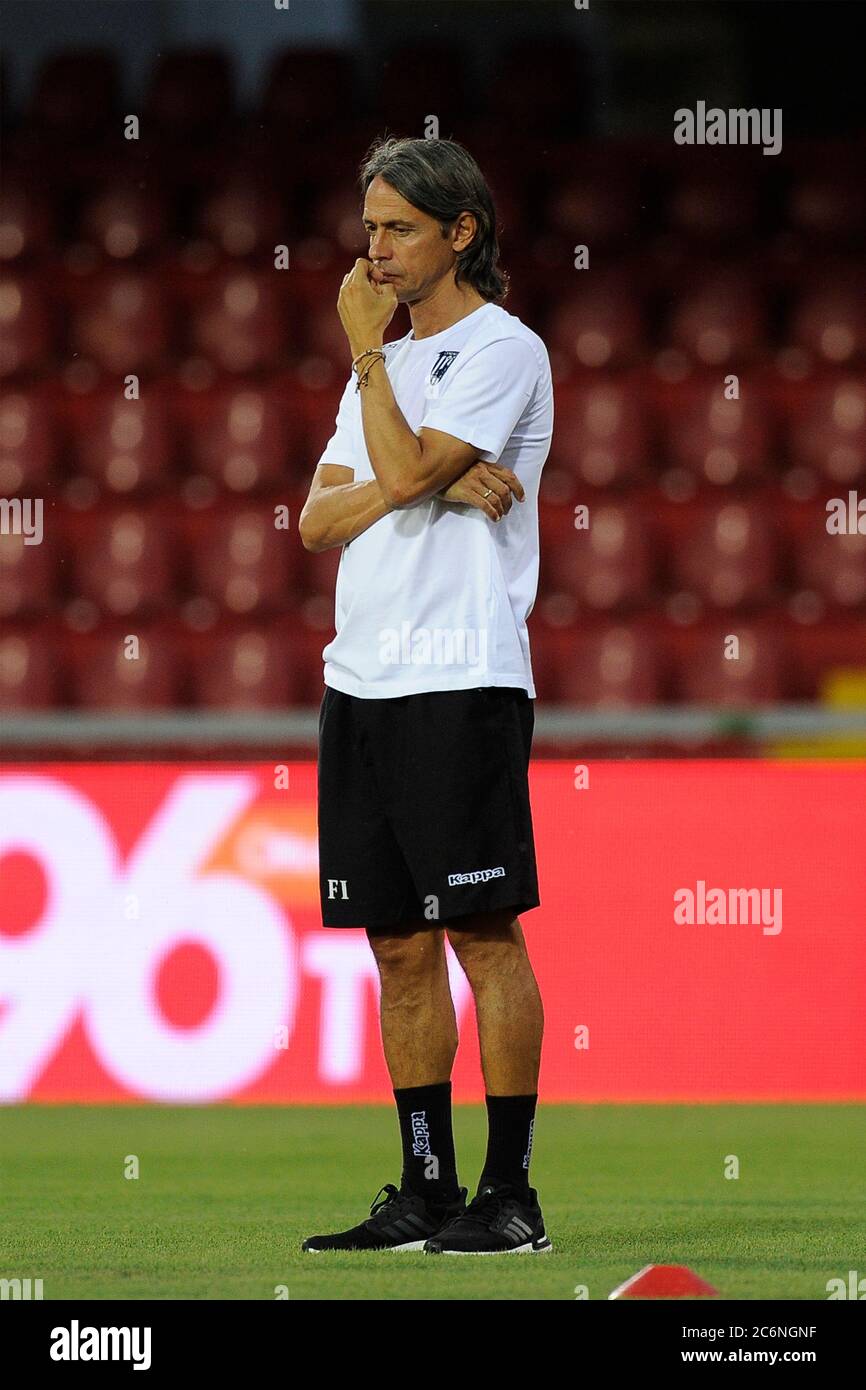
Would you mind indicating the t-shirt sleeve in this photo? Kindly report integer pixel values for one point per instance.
(482, 398)
(340, 448)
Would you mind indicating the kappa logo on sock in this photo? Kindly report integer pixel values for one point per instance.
(421, 1144)
(420, 1133)
(528, 1153)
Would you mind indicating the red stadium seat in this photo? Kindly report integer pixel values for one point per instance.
(26, 325)
(607, 567)
(27, 573)
(123, 221)
(319, 573)
(28, 441)
(601, 436)
(241, 562)
(325, 338)
(546, 642)
(712, 207)
(107, 672)
(243, 217)
(124, 446)
(705, 675)
(243, 437)
(120, 321)
(314, 411)
(726, 554)
(614, 667)
(25, 221)
(597, 324)
(335, 221)
(718, 321)
(826, 428)
(593, 208)
(28, 669)
(818, 650)
(829, 319)
(312, 627)
(249, 669)
(711, 439)
(122, 560)
(826, 200)
(240, 325)
(832, 566)
(510, 205)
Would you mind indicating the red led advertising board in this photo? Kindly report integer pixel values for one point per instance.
(702, 937)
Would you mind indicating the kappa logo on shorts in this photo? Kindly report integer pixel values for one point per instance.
(475, 876)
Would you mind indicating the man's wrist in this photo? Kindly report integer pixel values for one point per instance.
(374, 345)
(364, 363)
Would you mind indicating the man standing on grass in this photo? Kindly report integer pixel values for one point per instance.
(426, 723)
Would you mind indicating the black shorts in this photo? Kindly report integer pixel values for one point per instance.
(424, 811)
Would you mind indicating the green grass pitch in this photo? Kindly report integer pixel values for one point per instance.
(226, 1194)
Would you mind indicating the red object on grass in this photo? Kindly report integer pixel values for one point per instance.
(664, 1281)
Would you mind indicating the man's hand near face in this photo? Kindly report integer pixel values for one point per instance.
(365, 308)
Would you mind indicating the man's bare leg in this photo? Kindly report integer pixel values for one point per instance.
(419, 1037)
(491, 948)
(505, 1215)
(419, 1026)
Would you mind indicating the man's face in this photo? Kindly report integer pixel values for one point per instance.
(406, 246)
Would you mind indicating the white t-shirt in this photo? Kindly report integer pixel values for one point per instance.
(435, 596)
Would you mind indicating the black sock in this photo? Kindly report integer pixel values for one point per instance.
(429, 1166)
(510, 1120)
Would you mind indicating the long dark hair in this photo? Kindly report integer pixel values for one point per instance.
(442, 179)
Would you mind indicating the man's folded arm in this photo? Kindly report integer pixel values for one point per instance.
(480, 404)
(442, 458)
(338, 509)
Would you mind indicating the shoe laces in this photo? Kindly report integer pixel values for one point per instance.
(391, 1197)
(488, 1205)
(394, 1198)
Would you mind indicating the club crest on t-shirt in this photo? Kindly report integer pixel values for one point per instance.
(440, 366)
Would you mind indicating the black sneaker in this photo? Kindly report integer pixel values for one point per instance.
(499, 1221)
(400, 1221)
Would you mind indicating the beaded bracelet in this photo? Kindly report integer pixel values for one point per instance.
(362, 376)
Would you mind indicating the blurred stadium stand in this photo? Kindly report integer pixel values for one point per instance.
(156, 257)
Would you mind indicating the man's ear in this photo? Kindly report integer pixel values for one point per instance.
(465, 229)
